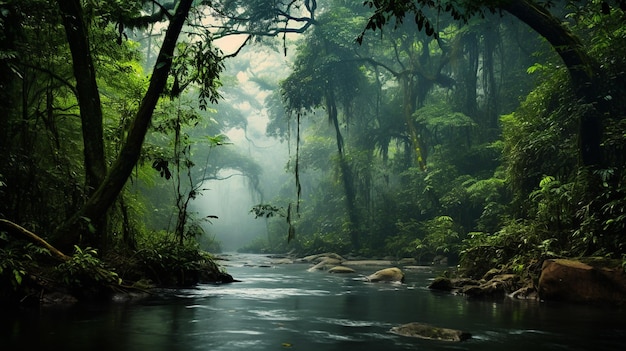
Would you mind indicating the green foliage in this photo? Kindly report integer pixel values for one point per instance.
(407, 242)
(540, 137)
(168, 263)
(198, 62)
(539, 203)
(267, 211)
(442, 235)
(85, 270)
(12, 268)
(424, 240)
(515, 244)
(328, 241)
(439, 118)
(18, 261)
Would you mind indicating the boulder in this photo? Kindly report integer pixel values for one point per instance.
(574, 281)
(324, 264)
(425, 331)
(440, 260)
(320, 257)
(57, 298)
(392, 275)
(341, 269)
(498, 286)
(492, 273)
(441, 283)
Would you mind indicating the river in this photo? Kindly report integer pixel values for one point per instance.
(284, 307)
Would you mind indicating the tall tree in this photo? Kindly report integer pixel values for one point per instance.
(256, 21)
(584, 72)
(326, 76)
(108, 189)
(87, 91)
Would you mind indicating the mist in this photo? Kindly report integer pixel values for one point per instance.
(231, 197)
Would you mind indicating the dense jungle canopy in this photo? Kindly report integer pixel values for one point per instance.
(489, 132)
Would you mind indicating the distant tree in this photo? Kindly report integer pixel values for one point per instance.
(586, 74)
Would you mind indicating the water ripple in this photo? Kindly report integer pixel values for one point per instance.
(273, 315)
(257, 293)
(347, 322)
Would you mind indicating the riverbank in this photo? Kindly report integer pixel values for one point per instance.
(587, 280)
(283, 306)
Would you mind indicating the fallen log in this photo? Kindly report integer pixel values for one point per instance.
(15, 230)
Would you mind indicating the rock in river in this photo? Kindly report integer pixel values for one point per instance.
(392, 275)
(341, 269)
(575, 281)
(425, 331)
(325, 264)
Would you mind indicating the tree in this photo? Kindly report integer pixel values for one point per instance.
(585, 74)
(107, 185)
(110, 186)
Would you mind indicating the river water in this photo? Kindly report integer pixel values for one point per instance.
(284, 307)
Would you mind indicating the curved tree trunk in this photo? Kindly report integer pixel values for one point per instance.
(580, 65)
(582, 69)
(108, 190)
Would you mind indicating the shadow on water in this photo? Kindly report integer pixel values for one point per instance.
(286, 307)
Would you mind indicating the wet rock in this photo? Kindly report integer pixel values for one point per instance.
(426, 331)
(320, 257)
(528, 292)
(325, 264)
(463, 282)
(491, 274)
(341, 270)
(452, 284)
(575, 281)
(498, 286)
(441, 283)
(56, 298)
(440, 260)
(392, 275)
(282, 261)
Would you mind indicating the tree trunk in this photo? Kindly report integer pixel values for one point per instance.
(87, 89)
(14, 229)
(581, 68)
(105, 195)
(346, 174)
(90, 108)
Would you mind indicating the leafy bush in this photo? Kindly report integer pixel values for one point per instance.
(85, 269)
(16, 264)
(168, 263)
(12, 269)
(515, 244)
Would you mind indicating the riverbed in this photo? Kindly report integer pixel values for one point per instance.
(285, 307)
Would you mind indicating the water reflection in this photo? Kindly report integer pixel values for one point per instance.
(286, 307)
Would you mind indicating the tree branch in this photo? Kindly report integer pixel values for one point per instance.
(15, 229)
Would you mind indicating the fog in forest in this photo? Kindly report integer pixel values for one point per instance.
(368, 129)
(232, 197)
